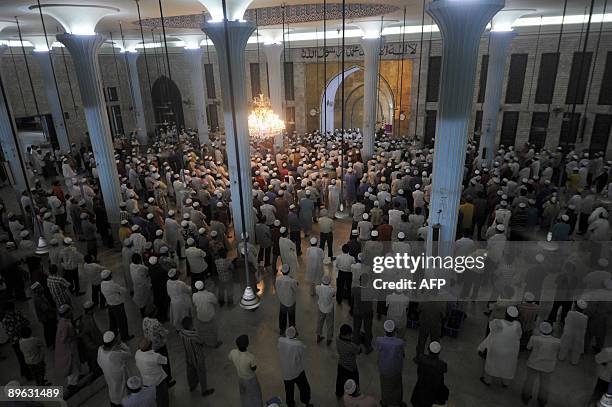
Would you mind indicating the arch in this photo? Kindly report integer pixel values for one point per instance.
(167, 101)
(329, 96)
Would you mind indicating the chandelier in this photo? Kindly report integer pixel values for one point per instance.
(263, 122)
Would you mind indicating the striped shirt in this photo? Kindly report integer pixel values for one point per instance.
(347, 354)
(59, 288)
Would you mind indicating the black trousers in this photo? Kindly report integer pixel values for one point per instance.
(264, 255)
(344, 375)
(285, 313)
(343, 284)
(296, 237)
(303, 386)
(329, 239)
(96, 296)
(565, 308)
(73, 278)
(118, 320)
(164, 351)
(583, 223)
(24, 370)
(50, 329)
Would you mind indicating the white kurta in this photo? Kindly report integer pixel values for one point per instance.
(142, 284)
(288, 254)
(114, 366)
(333, 199)
(502, 344)
(180, 301)
(314, 264)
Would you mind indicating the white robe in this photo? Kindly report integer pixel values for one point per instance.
(314, 264)
(180, 302)
(502, 344)
(114, 366)
(288, 254)
(142, 284)
(333, 200)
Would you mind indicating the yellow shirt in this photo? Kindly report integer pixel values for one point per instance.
(244, 362)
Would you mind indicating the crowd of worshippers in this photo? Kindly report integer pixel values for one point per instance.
(175, 208)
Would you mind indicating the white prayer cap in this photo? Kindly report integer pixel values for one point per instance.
(108, 337)
(360, 256)
(199, 285)
(266, 198)
(184, 224)
(545, 328)
(350, 386)
(435, 347)
(401, 235)
(354, 232)
(170, 213)
(522, 205)
(63, 309)
(163, 250)
(149, 216)
(540, 258)
(400, 192)
(24, 233)
(512, 311)
(186, 216)
(564, 218)
(529, 297)
(150, 200)
(134, 383)
(88, 304)
(582, 304)
(277, 222)
(291, 332)
(188, 201)
(159, 232)
(389, 326)
(500, 227)
(283, 230)
(374, 233)
(603, 263)
(313, 241)
(220, 204)
(152, 260)
(124, 222)
(172, 273)
(53, 242)
(47, 215)
(67, 240)
(417, 186)
(214, 233)
(285, 269)
(308, 192)
(104, 274)
(365, 216)
(190, 241)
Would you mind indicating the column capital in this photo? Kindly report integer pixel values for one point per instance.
(239, 33)
(371, 46)
(500, 41)
(132, 57)
(273, 51)
(463, 20)
(82, 46)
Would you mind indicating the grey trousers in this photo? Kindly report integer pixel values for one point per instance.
(327, 319)
(530, 379)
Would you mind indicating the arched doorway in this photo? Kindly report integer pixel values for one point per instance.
(167, 101)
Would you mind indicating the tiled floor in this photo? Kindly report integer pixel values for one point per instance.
(571, 385)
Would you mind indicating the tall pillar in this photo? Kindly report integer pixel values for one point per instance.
(141, 122)
(7, 127)
(498, 47)
(371, 50)
(199, 92)
(275, 77)
(84, 52)
(461, 24)
(53, 99)
(233, 88)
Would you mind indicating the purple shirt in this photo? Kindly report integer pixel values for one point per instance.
(390, 355)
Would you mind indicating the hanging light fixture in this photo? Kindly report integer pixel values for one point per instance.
(263, 122)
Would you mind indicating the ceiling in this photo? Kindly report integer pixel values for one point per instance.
(128, 16)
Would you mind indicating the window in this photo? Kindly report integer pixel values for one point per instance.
(430, 128)
(290, 119)
(569, 129)
(549, 63)
(111, 94)
(605, 92)
(478, 126)
(209, 74)
(601, 132)
(484, 70)
(539, 128)
(115, 120)
(213, 118)
(289, 91)
(433, 79)
(508, 129)
(516, 78)
(579, 77)
(255, 80)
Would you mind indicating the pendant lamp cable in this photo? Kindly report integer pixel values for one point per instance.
(558, 50)
(16, 73)
(533, 69)
(65, 63)
(144, 49)
(59, 97)
(27, 65)
(588, 94)
(284, 62)
(127, 67)
(418, 95)
(324, 112)
(342, 127)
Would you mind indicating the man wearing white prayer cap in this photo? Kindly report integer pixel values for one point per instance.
(353, 398)
(291, 352)
(115, 296)
(390, 365)
(325, 294)
(286, 290)
(113, 358)
(205, 304)
(430, 388)
(541, 363)
(574, 332)
(502, 346)
(139, 396)
(288, 250)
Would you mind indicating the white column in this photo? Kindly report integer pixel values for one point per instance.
(275, 77)
(499, 42)
(7, 141)
(141, 122)
(371, 50)
(461, 24)
(199, 92)
(53, 99)
(84, 52)
(233, 88)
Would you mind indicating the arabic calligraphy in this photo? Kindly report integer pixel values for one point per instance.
(408, 48)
